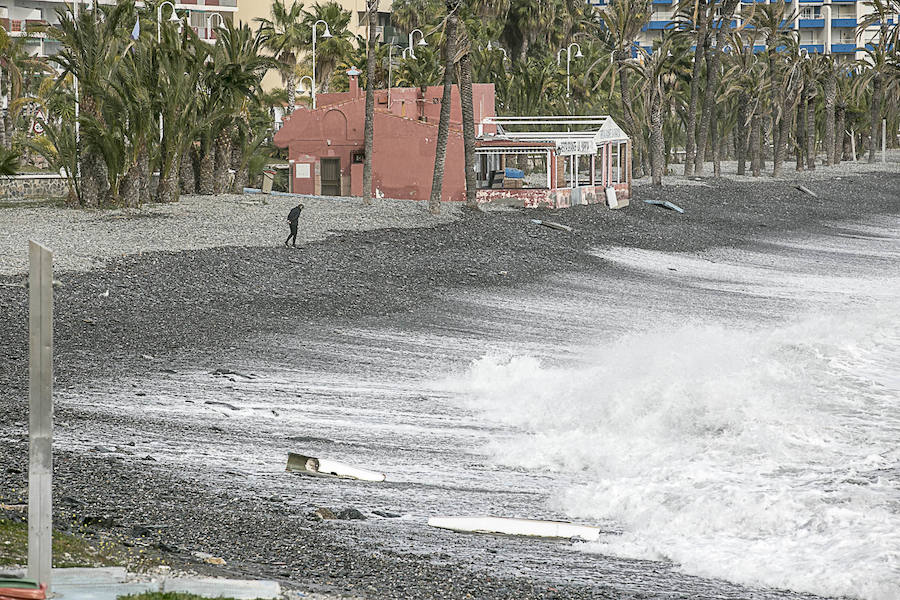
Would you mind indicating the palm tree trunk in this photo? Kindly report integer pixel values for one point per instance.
(713, 61)
(222, 161)
(167, 188)
(291, 85)
(830, 97)
(875, 114)
(468, 123)
(811, 132)
(755, 143)
(369, 131)
(690, 147)
(781, 131)
(241, 170)
(657, 143)
(800, 129)
(143, 161)
(206, 184)
(186, 175)
(440, 154)
(741, 131)
(839, 134)
(627, 115)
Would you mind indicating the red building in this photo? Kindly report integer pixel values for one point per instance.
(570, 160)
(326, 146)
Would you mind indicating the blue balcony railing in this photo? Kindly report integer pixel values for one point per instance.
(812, 23)
(843, 22)
(843, 48)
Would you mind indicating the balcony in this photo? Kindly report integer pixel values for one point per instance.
(843, 48)
(814, 48)
(843, 22)
(218, 5)
(24, 27)
(656, 25)
(812, 23)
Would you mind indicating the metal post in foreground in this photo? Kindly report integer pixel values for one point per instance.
(884, 140)
(40, 394)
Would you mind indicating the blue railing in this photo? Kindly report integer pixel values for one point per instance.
(812, 23)
(843, 48)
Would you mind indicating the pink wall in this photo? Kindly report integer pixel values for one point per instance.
(404, 146)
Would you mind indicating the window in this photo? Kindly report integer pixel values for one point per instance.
(811, 12)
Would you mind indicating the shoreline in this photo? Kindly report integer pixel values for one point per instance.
(206, 307)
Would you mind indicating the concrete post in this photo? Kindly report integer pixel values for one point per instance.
(826, 8)
(40, 394)
(884, 140)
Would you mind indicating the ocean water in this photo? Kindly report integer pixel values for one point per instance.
(729, 418)
(745, 425)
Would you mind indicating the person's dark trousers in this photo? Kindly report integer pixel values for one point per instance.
(293, 234)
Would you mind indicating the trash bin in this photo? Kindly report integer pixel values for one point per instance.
(22, 589)
(268, 178)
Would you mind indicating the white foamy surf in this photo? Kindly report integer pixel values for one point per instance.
(762, 450)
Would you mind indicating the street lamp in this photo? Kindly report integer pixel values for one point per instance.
(500, 48)
(209, 20)
(325, 35)
(578, 54)
(173, 18)
(422, 42)
(300, 83)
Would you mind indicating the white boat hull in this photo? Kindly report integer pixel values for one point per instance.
(323, 467)
(508, 526)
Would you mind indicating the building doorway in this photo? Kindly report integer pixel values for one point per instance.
(331, 176)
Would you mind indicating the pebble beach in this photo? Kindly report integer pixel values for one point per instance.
(196, 284)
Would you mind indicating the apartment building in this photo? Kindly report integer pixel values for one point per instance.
(22, 19)
(822, 26)
(253, 9)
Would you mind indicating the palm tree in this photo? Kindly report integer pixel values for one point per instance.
(623, 20)
(285, 37)
(330, 51)
(437, 182)
(477, 11)
(657, 74)
(713, 61)
(369, 129)
(830, 71)
(693, 17)
(880, 53)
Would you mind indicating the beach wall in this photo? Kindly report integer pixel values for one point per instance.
(555, 198)
(33, 186)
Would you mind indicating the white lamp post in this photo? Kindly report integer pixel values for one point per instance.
(173, 18)
(422, 42)
(500, 48)
(578, 54)
(325, 35)
(300, 83)
(209, 20)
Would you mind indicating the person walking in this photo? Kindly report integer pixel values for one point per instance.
(292, 219)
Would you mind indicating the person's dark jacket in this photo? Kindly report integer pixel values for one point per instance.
(294, 215)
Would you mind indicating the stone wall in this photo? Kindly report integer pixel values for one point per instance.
(33, 187)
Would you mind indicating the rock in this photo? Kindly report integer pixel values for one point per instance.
(223, 404)
(351, 514)
(215, 560)
(386, 514)
(322, 514)
(99, 521)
